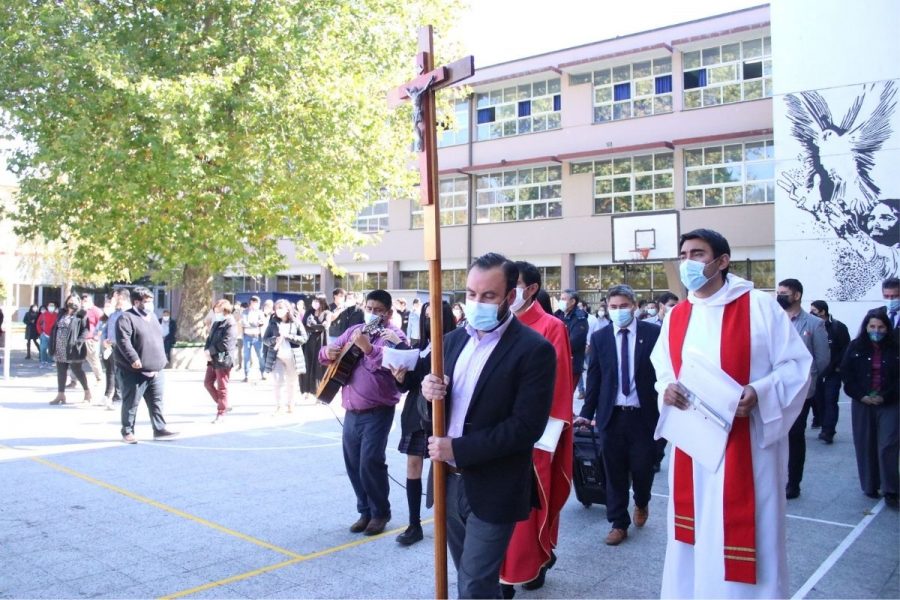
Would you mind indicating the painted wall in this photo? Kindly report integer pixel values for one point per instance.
(837, 131)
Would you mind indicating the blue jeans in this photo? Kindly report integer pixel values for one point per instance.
(44, 347)
(365, 441)
(252, 342)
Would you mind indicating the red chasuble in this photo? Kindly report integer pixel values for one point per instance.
(739, 511)
(533, 539)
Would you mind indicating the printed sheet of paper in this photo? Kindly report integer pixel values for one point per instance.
(702, 430)
(399, 359)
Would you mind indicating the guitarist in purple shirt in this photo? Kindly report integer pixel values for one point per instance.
(369, 397)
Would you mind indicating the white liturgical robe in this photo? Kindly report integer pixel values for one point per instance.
(779, 372)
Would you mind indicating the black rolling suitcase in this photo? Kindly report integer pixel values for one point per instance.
(587, 469)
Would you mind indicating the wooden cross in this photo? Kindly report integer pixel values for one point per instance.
(421, 91)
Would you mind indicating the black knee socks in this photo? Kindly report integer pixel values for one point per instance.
(414, 499)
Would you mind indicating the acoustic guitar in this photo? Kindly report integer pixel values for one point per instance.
(338, 373)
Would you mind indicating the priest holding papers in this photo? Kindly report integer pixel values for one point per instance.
(748, 372)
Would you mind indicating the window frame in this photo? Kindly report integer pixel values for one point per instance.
(716, 169)
(710, 63)
(506, 198)
(507, 109)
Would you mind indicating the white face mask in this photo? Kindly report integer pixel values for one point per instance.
(519, 302)
(148, 306)
(601, 313)
(652, 312)
(218, 317)
(372, 318)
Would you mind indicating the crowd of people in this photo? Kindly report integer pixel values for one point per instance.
(514, 364)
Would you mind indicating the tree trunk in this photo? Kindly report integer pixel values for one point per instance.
(196, 302)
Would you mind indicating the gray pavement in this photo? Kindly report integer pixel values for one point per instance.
(259, 508)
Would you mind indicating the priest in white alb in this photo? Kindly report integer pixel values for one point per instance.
(726, 528)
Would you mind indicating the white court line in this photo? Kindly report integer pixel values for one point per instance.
(823, 521)
(838, 552)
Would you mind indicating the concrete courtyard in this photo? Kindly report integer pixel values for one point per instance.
(259, 508)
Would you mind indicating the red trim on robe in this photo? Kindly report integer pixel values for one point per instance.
(739, 506)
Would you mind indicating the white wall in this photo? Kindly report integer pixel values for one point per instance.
(836, 54)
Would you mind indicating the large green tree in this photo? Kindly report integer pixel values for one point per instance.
(185, 138)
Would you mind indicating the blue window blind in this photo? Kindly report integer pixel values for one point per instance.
(486, 115)
(663, 84)
(525, 108)
(557, 102)
(622, 91)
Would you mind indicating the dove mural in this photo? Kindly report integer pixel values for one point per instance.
(834, 181)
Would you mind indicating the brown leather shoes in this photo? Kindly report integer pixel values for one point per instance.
(360, 525)
(616, 536)
(376, 526)
(640, 515)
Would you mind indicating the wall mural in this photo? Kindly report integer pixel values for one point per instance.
(835, 179)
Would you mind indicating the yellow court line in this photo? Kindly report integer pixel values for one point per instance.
(286, 563)
(167, 508)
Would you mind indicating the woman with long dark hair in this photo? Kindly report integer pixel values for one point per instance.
(67, 346)
(414, 438)
(220, 347)
(314, 320)
(284, 338)
(871, 375)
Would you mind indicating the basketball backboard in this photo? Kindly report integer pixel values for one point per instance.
(655, 235)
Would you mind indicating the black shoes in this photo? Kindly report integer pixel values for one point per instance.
(412, 535)
(538, 582)
(129, 438)
(792, 491)
(164, 435)
(507, 591)
(892, 501)
(360, 525)
(826, 439)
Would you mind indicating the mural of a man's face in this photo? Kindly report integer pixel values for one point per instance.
(882, 222)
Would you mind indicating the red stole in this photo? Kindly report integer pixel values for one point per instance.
(739, 511)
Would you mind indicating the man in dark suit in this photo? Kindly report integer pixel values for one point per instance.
(890, 291)
(576, 321)
(499, 389)
(621, 399)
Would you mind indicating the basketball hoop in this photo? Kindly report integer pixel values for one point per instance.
(642, 253)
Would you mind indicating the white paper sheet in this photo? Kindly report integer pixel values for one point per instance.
(399, 359)
(702, 430)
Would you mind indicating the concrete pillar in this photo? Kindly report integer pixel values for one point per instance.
(567, 272)
(327, 282)
(393, 275)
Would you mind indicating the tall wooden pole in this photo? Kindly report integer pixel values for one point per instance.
(421, 91)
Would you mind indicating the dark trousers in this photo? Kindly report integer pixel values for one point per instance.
(365, 441)
(135, 386)
(62, 368)
(476, 547)
(629, 452)
(112, 387)
(216, 383)
(28, 342)
(876, 437)
(797, 445)
(827, 393)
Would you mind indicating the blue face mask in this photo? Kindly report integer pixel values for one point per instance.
(692, 276)
(481, 316)
(876, 336)
(621, 316)
(892, 305)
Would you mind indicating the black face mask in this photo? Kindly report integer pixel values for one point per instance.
(784, 300)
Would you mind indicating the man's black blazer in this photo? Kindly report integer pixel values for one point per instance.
(602, 385)
(508, 413)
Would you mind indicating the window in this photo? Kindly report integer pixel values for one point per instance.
(373, 218)
(304, 284)
(742, 173)
(454, 201)
(728, 73)
(551, 279)
(519, 195)
(760, 272)
(239, 284)
(632, 183)
(414, 280)
(525, 108)
(647, 279)
(636, 90)
(459, 133)
(358, 282)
